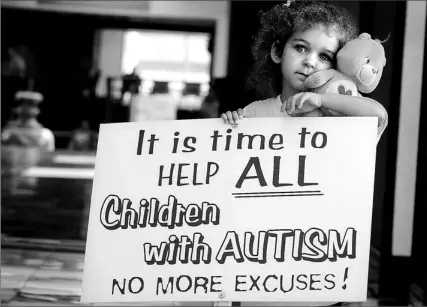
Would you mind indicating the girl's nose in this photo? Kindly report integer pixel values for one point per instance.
(310, 62)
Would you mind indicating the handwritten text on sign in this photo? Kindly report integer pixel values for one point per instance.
(273, 210)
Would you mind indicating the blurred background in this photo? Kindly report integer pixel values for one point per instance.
(69, 66)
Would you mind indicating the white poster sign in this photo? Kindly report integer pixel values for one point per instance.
(276, 209)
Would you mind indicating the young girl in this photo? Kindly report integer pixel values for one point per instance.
(295, 40)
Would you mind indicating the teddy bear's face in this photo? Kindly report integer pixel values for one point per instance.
(362, 59)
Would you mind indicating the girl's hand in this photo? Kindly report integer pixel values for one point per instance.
(233, 118)
(302, 103)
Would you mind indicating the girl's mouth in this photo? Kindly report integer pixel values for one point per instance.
(302, 75)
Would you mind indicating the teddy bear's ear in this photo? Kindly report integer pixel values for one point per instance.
(365, 36)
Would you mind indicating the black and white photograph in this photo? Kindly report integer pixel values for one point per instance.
(213, 153)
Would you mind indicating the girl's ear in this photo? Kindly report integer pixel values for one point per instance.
(274, 53)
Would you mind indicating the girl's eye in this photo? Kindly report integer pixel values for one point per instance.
(367, 60)
(300, 48)
(325, 58)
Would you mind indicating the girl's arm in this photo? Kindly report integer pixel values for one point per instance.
(354, 106)
(343, 104)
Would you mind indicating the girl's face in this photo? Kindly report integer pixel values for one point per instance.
(305, 52)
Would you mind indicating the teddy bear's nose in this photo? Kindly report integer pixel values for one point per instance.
(375, 71)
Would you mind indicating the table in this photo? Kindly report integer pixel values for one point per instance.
(56, 204)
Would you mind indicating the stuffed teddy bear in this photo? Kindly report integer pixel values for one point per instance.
(360, 66)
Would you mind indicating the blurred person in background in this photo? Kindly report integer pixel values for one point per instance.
(210, 105)
(15, 65)
(130, 88)
(17, 74)
(82, 138)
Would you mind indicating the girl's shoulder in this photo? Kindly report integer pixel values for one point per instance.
(265, 108)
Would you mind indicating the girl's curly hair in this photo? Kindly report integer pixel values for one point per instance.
(277, 25)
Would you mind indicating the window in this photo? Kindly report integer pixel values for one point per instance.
(170, 56)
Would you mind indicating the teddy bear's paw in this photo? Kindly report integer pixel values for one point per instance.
(316, 80)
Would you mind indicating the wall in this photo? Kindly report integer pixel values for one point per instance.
(419, 250)
(217, 11)
(410, 106)
(399, 92)
(383, 19)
